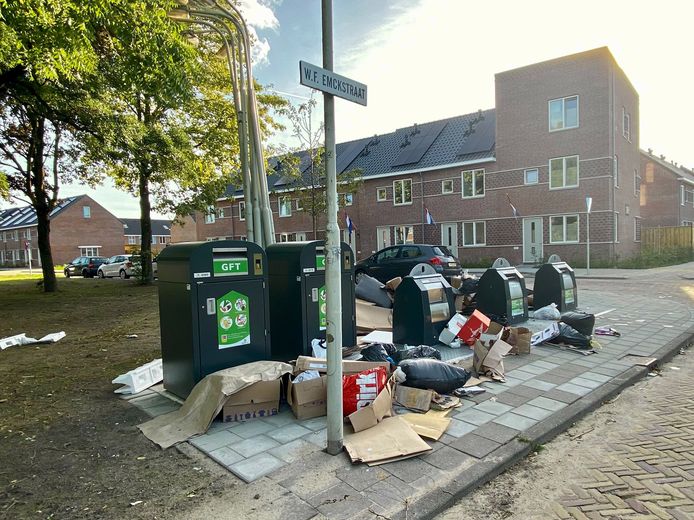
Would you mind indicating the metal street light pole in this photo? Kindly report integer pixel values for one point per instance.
(332, 253)
(589, 204)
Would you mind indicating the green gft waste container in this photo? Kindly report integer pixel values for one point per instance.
(501, 294)
(298, 299)
(555, 283)
(213, 309)
(423, 306)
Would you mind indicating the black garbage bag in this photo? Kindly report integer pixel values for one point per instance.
(571, 336)
(432, 374)
(469, 286)
(422, 351)
(372, 290)
(379, 352)
(581, 321)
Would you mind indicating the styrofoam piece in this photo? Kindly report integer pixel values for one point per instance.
(378, 336)
(140, 378)
(19, 339)
(52, 338)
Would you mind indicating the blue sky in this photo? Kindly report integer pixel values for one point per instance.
(429, 59)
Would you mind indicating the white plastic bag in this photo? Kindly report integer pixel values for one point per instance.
(306, 376)
(319, 348)
(548, 312)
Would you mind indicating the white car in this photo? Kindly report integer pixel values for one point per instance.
(119, 265)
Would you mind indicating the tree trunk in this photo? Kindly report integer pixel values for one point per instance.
(145, 227)
(50, 284)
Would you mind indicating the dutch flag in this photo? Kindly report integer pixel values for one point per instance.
(516, 213)
(429, 218)
(349, 224)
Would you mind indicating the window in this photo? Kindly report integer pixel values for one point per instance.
(447, 186)
(473, 183)
(532, 176)
(242, 210)
(688, 196)
(616, 227)
(404, 235)
(2, 237)
(563, 172)
(687, 223)
(402, 192)
(626, 125)
(615, 173)
(132, 239)
(220, 212)
(637, 229)
(381, 194)
(89, 250)
(682, 195)
(637, 183)
(474, 233)
(162, 239)
(346, 199)
(299, 205)
(86, 212)
(285, 205)
(563, 113)
(563, 229)
(210, 215)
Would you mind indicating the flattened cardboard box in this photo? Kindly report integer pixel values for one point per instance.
(413, 398)
(369, 317)
(308, 399)
(261, 399)
(348, 367)
(391, 439)
(371, 415)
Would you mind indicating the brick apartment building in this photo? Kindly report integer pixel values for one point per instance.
(561, 130)
(161, 234)
(667, 192)
(79, 227)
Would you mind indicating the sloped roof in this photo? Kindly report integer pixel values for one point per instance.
(430, 145)
(131, 226)
(680, 171)
(25, 216)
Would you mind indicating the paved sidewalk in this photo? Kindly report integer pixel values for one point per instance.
(544, 393)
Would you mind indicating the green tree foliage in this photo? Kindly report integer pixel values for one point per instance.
(4, 187)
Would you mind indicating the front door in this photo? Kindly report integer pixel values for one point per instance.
(532, 240)
(449, 237)
(383, 237)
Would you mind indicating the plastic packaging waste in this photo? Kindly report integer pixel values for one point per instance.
(306, 376)
(422, 351)
(139, 379)
(548, 312)
(581, 321)
(371, 290)
(571, 336)
(379, 352)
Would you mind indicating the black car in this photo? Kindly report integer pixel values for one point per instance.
(85, 266)
(399, 260)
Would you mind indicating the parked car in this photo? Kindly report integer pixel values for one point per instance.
(85, 266)
(399, 260)
(119, 265)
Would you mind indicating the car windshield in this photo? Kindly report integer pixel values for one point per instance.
(441, 251)
(98, 259)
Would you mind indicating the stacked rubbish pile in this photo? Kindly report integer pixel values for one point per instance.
(572, 330)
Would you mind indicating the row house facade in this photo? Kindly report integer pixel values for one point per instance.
(505, 182)
(132, 232)
(667, 192)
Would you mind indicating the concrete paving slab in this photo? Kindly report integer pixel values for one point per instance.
(226, 456)
(409, 470)
(293, 450)
(361, 476)
(546, 403)
(389, 494)
(515, 421)
(254, 445)
(315, 424)
(256, 467)
(288, 433)
(458, 428)
(539, 384)
(496, 432)
(533, 412)
(512, 399)
(475, 416)
(574, 389)
(493, 407)
(448, 458)
(213, 441)
(475, 445)
(588, 383)
(251, 429)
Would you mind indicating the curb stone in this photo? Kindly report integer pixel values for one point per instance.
(440, 499)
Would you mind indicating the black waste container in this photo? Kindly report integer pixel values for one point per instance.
(555, 283)
(298, 299)
(423, 306)
(213, 309)
(501, 293)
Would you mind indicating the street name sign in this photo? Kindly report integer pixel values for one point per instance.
(326, 81)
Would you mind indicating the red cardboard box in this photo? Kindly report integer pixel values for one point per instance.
(475, 325)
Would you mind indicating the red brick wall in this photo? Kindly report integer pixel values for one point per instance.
(185, 231)
(661, 196)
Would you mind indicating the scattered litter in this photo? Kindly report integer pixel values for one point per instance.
(606, 331)
(580, 321)
(468, 391)
(427, 425)
(306, 376)
(674, 368)
(571, 336)
(378, 336)
(22, 339)
(319, 348)
(139, 379)
(137, 502)
(642, 361)
(548, 312)
(474, 327)
(413, 398)
(488, 361)
(545, 335)
(359, 390)
(369, 318)
(132, 336)
(444, 402)
(379, 352)
(371, 290)
(391, 439)
(420, 352)
(432, 374)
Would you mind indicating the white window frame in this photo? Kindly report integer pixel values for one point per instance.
(132, 240)
(564, 229)
(681, 194)
(525, 176)
(402, 182)
(637, 183)
(286, 202)
(563, 113)
(86, 213)
(626, 124)
(89, 250)
(474, 183)
(384, 191)
(445, 191)
(616, 227)
(161, 239)
(564, 186)
(404, 232)
(220, 212)
(615, 173)
(347, 199)
(210, 216)
(242, 210)
(299, 205)
(637, 224)
(475, 242)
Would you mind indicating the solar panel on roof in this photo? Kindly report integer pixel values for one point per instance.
(483, 137)
(348, 153)
(420, 143)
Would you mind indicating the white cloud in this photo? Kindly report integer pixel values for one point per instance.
(258, 14)
(260, 48)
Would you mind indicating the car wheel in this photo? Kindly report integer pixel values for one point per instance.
(358, 276)
(66, 273)
(101, 274)
(123, 275)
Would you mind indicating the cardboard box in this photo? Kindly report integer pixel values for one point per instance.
(431, 426)
(308, 399)
(261, 399)
(413, 398)
(489, 360)
(393, 283)
(304, 363)
(452, 328)
(494, 332)
(475, 325)
(369, 317)
(456, 282)
(545, 335)
(391, 439)
(519, 338)
(371, 415)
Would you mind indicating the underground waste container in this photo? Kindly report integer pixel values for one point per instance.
(501, 293)
(555, 283)
(213, 309)
(423, 306)
(298, 298)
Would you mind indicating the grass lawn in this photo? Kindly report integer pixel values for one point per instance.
(69, 447)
